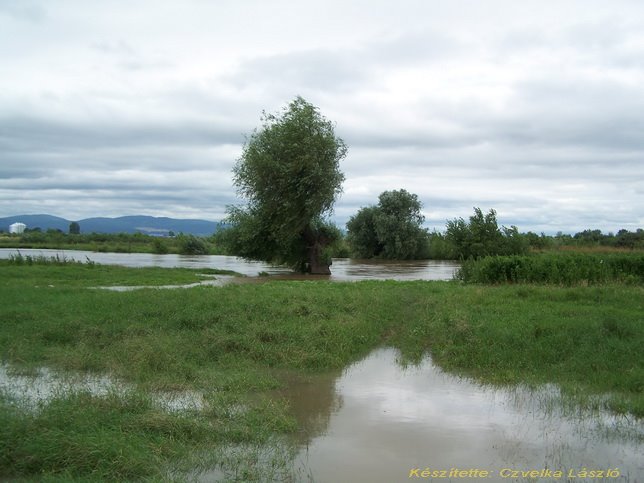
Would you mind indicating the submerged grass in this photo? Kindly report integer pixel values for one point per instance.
(229, 343)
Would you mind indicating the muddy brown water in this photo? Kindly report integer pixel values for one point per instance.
(379, 421)
(343, 269)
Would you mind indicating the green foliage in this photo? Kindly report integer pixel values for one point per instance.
(192, 245)
(392, 229)
(289, 175)
(361, 236)
(159, 247)
(481, 237)
(440, 248)
(101, 242)
(555, 268)
(74, 228)
(539, 242)
(20, 259)
(627, 239)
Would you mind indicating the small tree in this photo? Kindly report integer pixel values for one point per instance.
(289, 174)
(74, 228)
(482, 236)
(392, 229)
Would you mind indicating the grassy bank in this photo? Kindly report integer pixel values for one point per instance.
(231, 344)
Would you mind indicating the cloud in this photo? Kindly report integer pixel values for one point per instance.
(533, 111)
(24, 10)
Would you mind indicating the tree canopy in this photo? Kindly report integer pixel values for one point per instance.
(74, 228)
(391, 229)
(482, 236)
(290, 177)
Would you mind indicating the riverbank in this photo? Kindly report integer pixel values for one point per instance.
(232, 344)
(113, 243)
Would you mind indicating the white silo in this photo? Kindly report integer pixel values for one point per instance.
(17, 228)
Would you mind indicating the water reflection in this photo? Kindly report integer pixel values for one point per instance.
(312, 400)
(386, 420)
(343, 269)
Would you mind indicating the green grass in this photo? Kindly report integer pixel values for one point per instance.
(566, 268)
(106, 243)
(232, 342)
(51, 272)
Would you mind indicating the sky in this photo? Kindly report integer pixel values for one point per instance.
(532, 108)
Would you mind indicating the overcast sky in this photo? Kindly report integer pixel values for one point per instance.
(533, 108)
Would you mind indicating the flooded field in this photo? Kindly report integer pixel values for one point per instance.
(376, 420)
(343, 269)
(380, 422)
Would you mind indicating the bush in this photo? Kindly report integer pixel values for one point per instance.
(191, 245)
(481, 237)
(159, 247)
(563, 269)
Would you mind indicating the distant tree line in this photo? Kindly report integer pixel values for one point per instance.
(392, 229)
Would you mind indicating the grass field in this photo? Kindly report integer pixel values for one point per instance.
(231, 343)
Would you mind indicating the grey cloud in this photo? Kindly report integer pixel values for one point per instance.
(577, 112)
(412, 48)
(543, 123)
(126, 57)
(309, 70)
(23, 10)
(35, 134)
(341, 71)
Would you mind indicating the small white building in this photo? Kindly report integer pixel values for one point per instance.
(17, 228)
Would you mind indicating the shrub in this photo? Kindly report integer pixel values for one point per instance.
(191, 245)
(560, 268)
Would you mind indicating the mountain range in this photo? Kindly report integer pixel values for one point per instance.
(124, 224)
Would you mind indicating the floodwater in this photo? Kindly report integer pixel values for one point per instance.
(381, 422)
(343, 269)
(41, 385)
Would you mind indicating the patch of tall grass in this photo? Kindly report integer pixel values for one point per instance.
(20, 259)
(556, 268)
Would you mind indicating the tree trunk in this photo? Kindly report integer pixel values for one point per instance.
(315, 244)
(316, 265)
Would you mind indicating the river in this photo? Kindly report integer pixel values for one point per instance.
(343, 269)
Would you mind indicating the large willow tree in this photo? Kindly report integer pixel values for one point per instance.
(289, 175)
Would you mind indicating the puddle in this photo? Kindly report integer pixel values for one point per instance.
(31, 390)
(379, 421)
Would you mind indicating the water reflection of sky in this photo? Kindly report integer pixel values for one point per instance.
(394, 419)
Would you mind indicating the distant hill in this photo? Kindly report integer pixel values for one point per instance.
(125, 224)
(45, 222)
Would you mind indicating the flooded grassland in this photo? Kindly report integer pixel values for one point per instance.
(279, 381)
